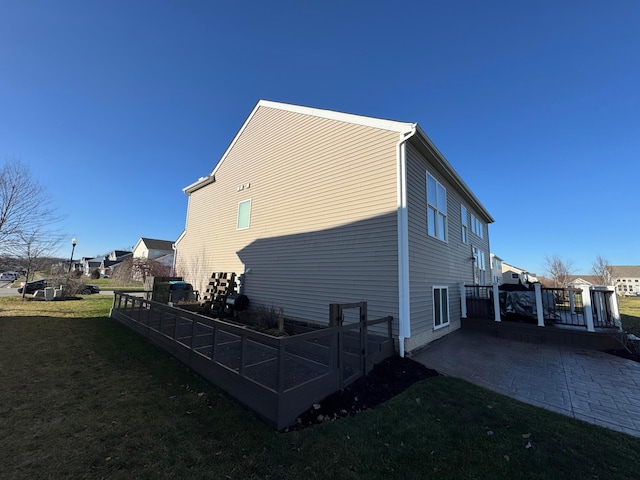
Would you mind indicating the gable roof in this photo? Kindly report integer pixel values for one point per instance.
(625, 271)
(589, 279)
(155, 244)
(418, 138)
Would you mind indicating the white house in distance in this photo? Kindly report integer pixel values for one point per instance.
(320, 207)
(496, 269)
(517, 275)
(153, 249)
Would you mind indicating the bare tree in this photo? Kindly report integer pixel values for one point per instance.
(24, 205)
(602, 269)
(32, 250)
(195, 270)
(559, 271)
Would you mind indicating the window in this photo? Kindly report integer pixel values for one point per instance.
(515, 276)
(436, 209)
(440, 307)
(480, 269)
(244, 214)
(477, 227)
(463, 217)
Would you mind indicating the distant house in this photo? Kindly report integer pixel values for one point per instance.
(153, 249)
(90, 264)
(318, 207)
(159, 251)
(626, 279)
(582, 280)
(110, 263)
(516, 275)
(496, 269)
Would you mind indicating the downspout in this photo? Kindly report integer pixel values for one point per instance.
(404, 307)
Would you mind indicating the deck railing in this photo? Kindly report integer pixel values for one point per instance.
(277, 377)
(585, 307)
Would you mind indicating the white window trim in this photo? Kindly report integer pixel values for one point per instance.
(477, 226)
(438, 211)
(442, 325)
(238, 214)
(464, 233)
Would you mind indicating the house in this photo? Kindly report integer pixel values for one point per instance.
(496, 269)
(111, 262)
(516, 275)
(626, 279)
(580, 280)
(153, 249)
(317, 207)
(90, 264)
(161, 254)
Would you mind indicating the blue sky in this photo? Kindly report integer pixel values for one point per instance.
(116, 106)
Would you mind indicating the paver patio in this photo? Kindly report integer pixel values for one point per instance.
(585, 384)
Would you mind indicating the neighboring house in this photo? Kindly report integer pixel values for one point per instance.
(516, 275)
(626, 279)
(89, 265)
(111, 262)
(582, 280)
(320, 207)
(496, 269)
(153, 249)
(159, 251)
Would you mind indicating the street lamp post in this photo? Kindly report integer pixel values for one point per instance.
(73, 247)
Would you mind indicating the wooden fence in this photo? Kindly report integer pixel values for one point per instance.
(277, 377)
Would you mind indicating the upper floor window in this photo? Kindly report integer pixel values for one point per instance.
(436, 209)
(463, 217)
(244, 214)
(477, 227)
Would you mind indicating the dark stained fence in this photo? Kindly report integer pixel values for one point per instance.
(479, 300)
(563, 306)
(277, 377)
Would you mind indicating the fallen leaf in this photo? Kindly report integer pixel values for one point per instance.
(506, 457)
(526, 435)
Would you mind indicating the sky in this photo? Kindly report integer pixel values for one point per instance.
(117, 106)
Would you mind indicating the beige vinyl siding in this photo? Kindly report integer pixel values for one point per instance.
(323, 215)
(432, 261)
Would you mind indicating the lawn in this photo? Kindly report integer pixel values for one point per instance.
(630, 314)
(82, 397)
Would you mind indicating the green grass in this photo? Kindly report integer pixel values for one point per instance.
(630, 314)
(82, 397)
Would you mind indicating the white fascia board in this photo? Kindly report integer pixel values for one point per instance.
(202, 181)
(445, 168)
(398, 127)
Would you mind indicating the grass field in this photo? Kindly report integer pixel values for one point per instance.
(82, 397)
(630, 314)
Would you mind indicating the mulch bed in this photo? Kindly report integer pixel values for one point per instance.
(387, 379)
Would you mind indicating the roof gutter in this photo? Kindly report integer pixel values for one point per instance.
(404, 306)
(202, 182)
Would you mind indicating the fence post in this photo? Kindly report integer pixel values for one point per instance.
(613, 304)
(496, 302)
(363, 337)
(463, 300)
(586, 306)
(539, 311)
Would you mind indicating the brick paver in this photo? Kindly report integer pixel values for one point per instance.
(589, 385)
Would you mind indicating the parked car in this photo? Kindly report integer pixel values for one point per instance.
(32, 286)
(88, 289)
(8, 276)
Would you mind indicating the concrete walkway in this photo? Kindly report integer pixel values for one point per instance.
(585, 384)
